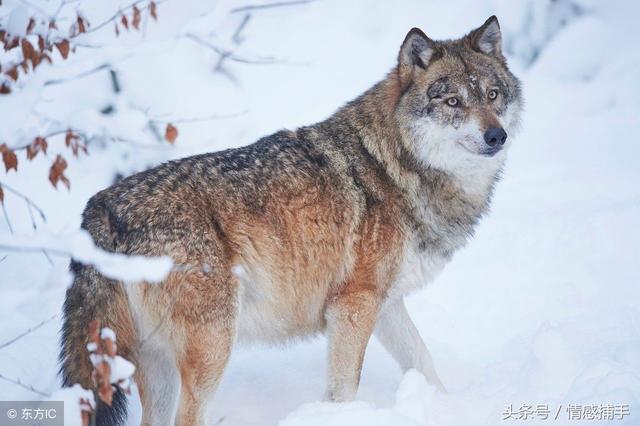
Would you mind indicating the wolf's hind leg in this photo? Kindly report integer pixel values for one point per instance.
(158, 383)
(401, 339)
(204, 330)
(350, 320)
(201, 365)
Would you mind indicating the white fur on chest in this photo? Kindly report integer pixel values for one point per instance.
(418, 268)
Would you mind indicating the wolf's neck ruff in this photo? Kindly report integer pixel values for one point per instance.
(441, 206)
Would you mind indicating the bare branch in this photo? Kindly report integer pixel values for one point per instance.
(77, 76)
(23, 249)
(6, 218)
(237, 38)
(157, 147)
(226, 54)
(26, 200)
(251, 7)
(28, 331)
(46, 255)
(199, 119)
(120, 12)
(25, 386)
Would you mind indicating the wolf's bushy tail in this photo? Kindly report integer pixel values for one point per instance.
(92, 296)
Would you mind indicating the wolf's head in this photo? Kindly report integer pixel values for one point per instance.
(460, 104)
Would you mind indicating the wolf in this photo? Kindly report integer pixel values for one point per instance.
(322, 229)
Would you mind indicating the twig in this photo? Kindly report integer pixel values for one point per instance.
(26, 200)
(52, 134)
(36, 7)
(28, 331)
(237, 39)
(226, 54)
(44, 252)
(25, 386)
(6, 218)
(165, 147)
(24, 249)
(120, 12)
(198, 119)
(77, 76)
(269, 5)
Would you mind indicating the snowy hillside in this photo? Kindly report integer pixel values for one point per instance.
(542, 308)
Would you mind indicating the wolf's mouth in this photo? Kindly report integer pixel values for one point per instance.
(491, 151)
(486, 152)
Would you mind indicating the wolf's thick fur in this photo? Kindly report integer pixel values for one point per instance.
(321, 229)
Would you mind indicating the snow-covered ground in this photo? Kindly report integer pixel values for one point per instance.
(541, 308)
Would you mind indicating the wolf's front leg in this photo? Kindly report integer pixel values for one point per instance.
(401, 339)
(350, 317)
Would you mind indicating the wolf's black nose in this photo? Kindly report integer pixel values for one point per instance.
(494, 136)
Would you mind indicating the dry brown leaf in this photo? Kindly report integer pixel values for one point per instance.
(136, 18)
(117, 30)
(81, 25)
(31, 153)
(152, 10)
(63, 48)
(5, 89)
(125, 22)
(68, 137)
(42, 143)
(29, 52)
(56, 173)
(86, 412)
(39, 144)
(73, 141)
(171, 134)
(1, 195)
(31, 25)
(11, 43)
(13, 73)
(9, 158)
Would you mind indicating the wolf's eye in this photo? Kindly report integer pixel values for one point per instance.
(453, 102)
(493, 94)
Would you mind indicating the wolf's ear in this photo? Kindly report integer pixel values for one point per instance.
(416, 52)
(487, 39)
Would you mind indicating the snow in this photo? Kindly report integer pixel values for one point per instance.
(542, 306)
(79, 245)
(72, 406)
(107, 333)
(121, 371)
